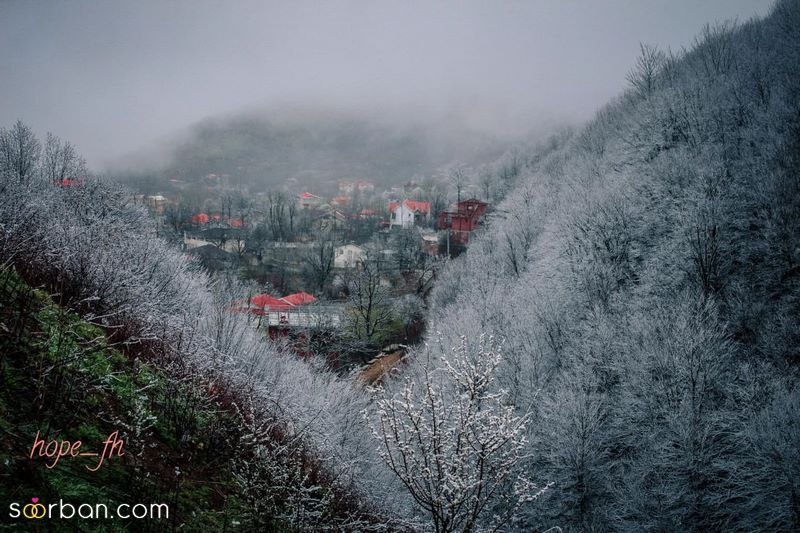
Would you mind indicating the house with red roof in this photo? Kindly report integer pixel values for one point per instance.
(462, 219)
(408, 213)
(368, 213)
(299, 298)
(306, 200)
(262, 304)
(280, 315)
(200, 218)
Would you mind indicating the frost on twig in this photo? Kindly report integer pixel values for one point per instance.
(454, 443)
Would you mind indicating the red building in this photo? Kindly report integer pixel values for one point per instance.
(200, 218)
(282, 316)
(263, 304)
(462, 220)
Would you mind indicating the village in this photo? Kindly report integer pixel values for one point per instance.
(344, 275)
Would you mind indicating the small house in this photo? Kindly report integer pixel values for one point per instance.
(306, 200)
(348, 256)
(408, 213)
(462, 219)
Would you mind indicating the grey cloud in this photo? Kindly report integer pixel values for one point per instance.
(116, 76)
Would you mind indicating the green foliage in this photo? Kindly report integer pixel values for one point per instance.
(60, 376)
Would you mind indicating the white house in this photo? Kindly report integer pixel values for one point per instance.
(408, 212)
(157, 203)
(348, 256)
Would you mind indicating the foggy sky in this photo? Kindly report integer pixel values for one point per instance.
(114, 77)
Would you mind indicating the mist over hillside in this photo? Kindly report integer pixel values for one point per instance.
(263, 149)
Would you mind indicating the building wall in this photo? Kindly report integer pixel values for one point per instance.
(404, 216)
(232, 245)
(348, 256)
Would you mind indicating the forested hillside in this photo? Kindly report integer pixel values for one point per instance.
(61, 378)
(113, 329)
(264, 149)
(645, 283)
(617, 350)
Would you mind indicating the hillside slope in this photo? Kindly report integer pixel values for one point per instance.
(61, 379)
(645, 279)
(263, 150)
(292, 446)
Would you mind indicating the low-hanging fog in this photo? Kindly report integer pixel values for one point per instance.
(120, 78)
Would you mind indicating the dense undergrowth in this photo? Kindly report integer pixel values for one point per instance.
(60, 378)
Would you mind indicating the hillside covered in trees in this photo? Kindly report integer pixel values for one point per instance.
(616, 351)
(264, 149)
(106, 327)
(645, 281)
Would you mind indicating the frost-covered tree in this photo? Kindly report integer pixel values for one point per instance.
(61, 161)
(643, 77)
(453, 442)
(459, 179)
(19, 151)
(643, 274)
(318, 261)
(369, 307)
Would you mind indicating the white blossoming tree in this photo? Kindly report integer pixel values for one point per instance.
(454, 443)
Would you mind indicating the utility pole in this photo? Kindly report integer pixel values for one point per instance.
(449, 226)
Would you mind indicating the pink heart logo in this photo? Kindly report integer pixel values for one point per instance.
(35, 500)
